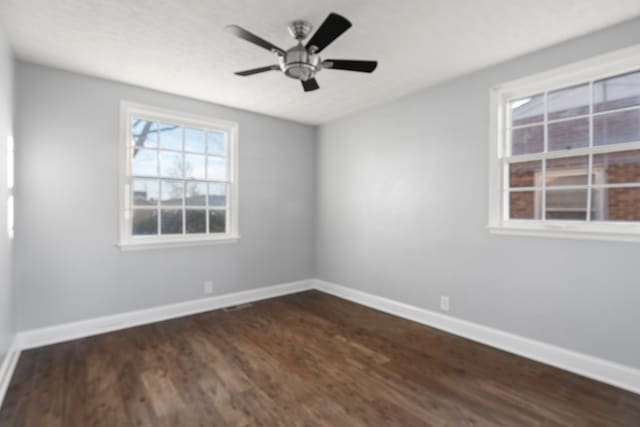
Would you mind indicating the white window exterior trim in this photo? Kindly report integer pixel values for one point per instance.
(617, 62)
(126, 241)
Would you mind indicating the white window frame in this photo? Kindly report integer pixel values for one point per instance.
(608, 65)
(127, 241)
(10, 189)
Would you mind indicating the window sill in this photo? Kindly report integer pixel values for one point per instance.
(142, 244)
(613, 233)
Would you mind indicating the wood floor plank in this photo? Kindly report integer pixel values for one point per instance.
(308, 359)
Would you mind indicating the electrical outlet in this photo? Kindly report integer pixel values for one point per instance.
(208, 287)
(444, 303)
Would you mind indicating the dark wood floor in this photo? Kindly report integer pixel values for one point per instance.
(304, 359)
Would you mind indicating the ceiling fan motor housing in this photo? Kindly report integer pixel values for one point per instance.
(298, 64)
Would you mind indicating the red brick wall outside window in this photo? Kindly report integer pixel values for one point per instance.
(600, 114)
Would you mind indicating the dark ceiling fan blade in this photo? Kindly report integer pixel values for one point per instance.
(257, 70)
(350, 65)
(310, 85)
(252, 38)
(331, 29)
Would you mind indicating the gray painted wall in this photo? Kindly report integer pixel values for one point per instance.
(67, 267)
(6, 129)
(403, 204)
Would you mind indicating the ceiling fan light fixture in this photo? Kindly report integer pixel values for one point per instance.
(300, 71)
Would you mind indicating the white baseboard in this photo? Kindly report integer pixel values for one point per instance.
(99, 325)
(599, 369)
(595, 368)
(7, 366)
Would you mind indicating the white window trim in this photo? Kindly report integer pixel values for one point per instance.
(10, 187)
(127, 241)
(617, 62)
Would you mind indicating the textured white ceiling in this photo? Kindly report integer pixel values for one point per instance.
(180, 46)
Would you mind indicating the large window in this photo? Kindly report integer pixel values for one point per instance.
(566, 151)
(179, 184)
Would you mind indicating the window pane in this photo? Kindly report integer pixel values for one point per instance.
(616, 168)
(145, 192)
(217, 194)
(171, 164)
(196, 194)
(527, 110)
(145, 222)
(527, 140)
(216, 143)
(569, 134)
(568, 171)
(194, 140)
(573, 101)
(217, 221)
(171, 193)
(196, 220)
(144, 133)
(171, 221)
(616, 92)
(216, 168)
(616, 204)
(194, 166)
(524, 204)
(614, 128)
(567, 204)
(145, 162)
(525, 174)
(170, 136)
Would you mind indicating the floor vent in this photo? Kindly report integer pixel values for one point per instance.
(237, 307)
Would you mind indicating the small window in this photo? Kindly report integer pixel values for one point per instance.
(566, 152)
(179, 179)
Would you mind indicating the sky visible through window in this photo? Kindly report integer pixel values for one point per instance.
(179, 179)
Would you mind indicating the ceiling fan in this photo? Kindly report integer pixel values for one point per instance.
(302, 62)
